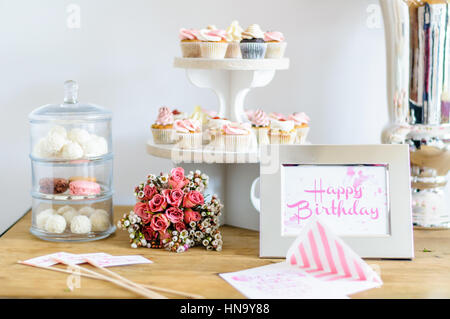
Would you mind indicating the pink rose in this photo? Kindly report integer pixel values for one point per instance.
(173, 196)
(180, 226)
(149, 233)
(177, 179)
(157, 204)
(193, 198)
(149, 192)
(174, 214)
(159, 223)
(191, 216)
(143, 211)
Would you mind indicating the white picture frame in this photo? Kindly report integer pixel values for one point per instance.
(396, 243)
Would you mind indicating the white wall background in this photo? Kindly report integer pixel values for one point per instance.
(122, 58)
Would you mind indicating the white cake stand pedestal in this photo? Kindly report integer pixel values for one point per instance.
(231, 79)
(231, 173)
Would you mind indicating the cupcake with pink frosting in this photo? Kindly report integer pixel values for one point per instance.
(276, 46)
(301, 126)
(189, 42)
(215, 125)
(213, 43)
(162, 129)
(189, 133)
(236, 137)
(260, 126)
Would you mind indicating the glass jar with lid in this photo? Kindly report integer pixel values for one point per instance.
(72, 168)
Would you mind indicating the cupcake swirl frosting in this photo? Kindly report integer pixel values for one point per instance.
(260, 118)
(212, 35)
(236, 129)
(273, 36)
(234, 32)
(253, 32)
(187, 126)
(299, 118)
(188, 34)
(165, 116)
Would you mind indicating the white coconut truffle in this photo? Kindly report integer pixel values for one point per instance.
(55, 224)
(79, 135)
(71, 150)
(95, 146)
(86, 211)
(58, 129)
(54, 143)
(100, 220)
(80, 225)
(40, 149)
(64, 209)
(41, 218)
(69, 215)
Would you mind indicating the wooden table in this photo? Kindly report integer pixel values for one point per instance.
(196, 271)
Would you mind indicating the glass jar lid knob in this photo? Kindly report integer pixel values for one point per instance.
(70, 92)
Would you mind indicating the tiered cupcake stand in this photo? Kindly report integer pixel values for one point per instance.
(232, 174)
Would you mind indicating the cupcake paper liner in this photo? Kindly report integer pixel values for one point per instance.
(282, 138)
(236, 143)
(253, 50)
(189, 140)
(190, 49)
(163, 136)
(233, 51)
(275, 50)
(301, 135)
(213, 50)
(262, 135)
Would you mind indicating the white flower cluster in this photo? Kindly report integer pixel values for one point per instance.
(198, 181)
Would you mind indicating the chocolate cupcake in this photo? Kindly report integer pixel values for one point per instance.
(252, 44)
(53, 185)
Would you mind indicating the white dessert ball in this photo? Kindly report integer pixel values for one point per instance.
(69, 215)
(40, 149)
(71, 150)
(80, 225)
(55, 224)
(86, 211)
(42, 217)
(58, 129)
(100, 220)
(79, 135)
(54, 143)
(95, 146)
(64, 209)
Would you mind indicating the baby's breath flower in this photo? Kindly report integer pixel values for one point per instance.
(209, 248)
(180, 249)
(205, 242)
(219, 248)
(184, 233)
(192, 224)
(133, 245)
(126, 223)
(174, 238)
(131, 235)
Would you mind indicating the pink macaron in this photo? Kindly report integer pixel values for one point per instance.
(84, 188)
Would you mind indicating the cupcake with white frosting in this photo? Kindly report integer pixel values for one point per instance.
(276, 45)
(213, 43)
(236, 137)
(189, 133)
(252, 44)
(260, 126)
(282, 131)
(162, 129)
(215, 125)
(301, 126)
(234, 34)
(189, 42)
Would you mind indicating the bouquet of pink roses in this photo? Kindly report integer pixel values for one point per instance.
(171, 212)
